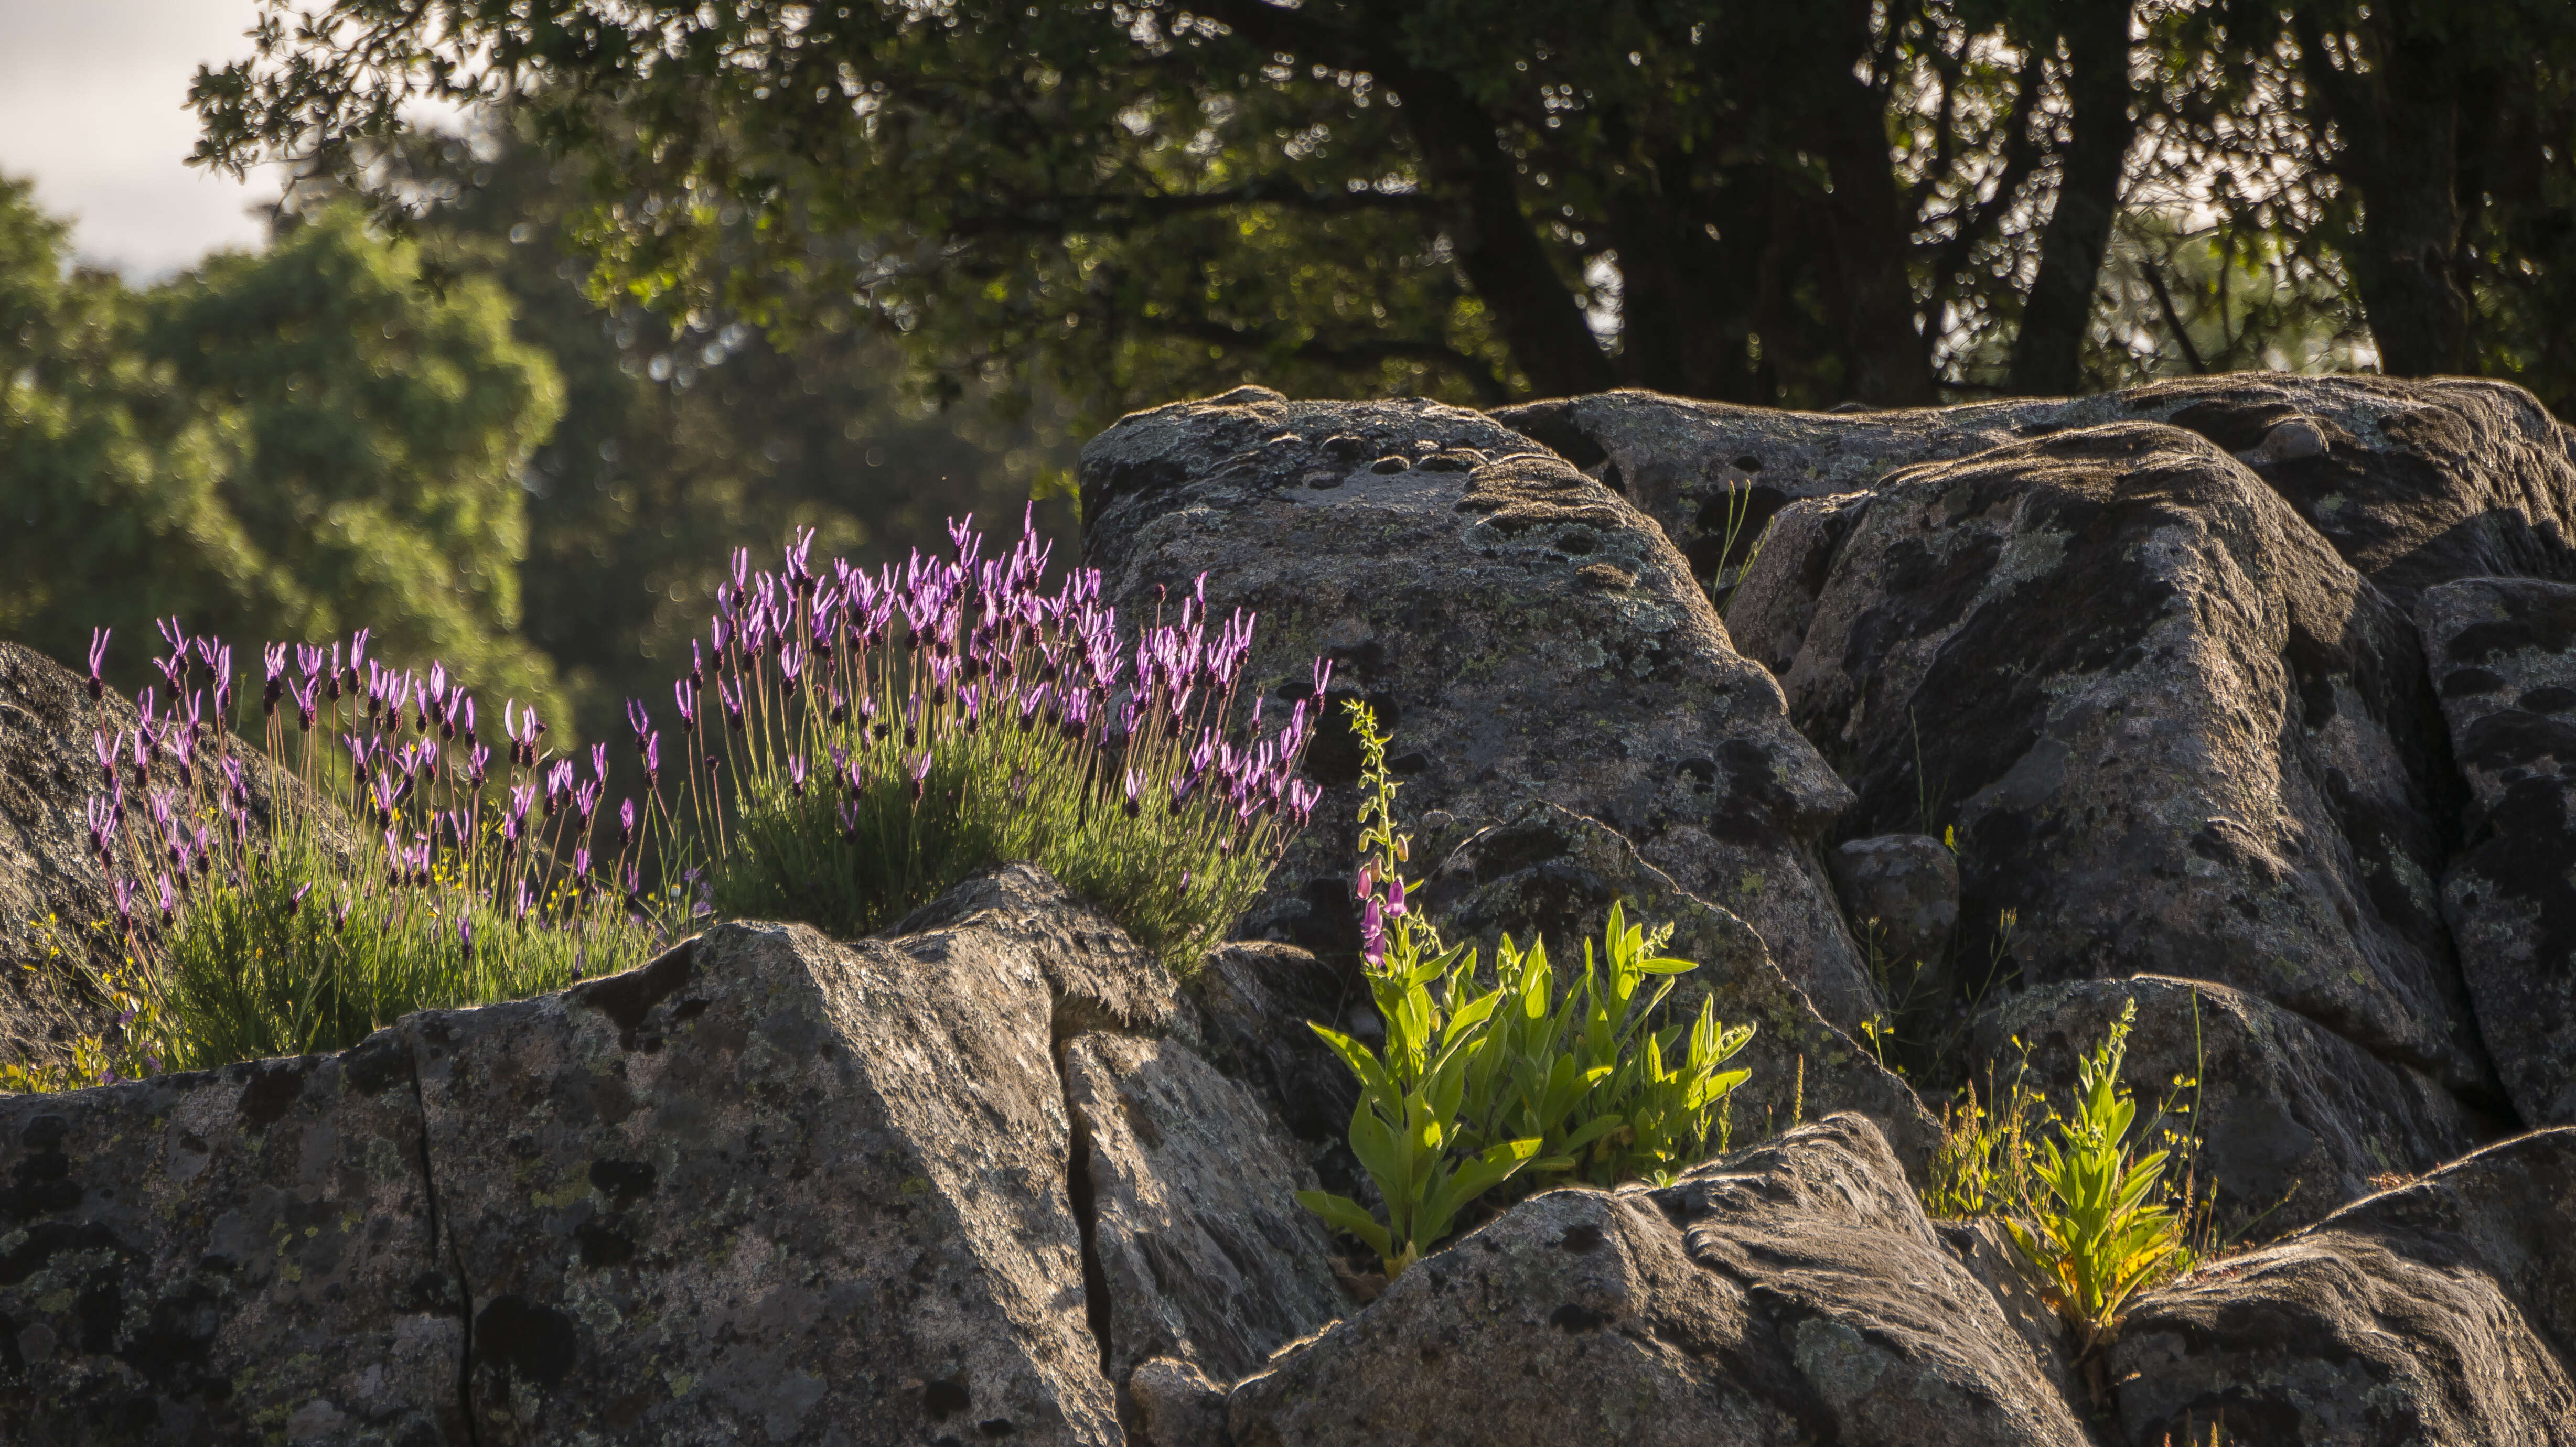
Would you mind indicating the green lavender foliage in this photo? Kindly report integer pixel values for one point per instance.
(1514, 1083)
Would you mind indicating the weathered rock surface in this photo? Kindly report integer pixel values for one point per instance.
(2414, 482)
(2437, 1312)
(2503, 657)
(767, 1188)
(1208, 1258)
(243, 1254)
(1768, 621)
(1547, 873)
(1245, 1013)
(2295, 1120)
(1788, 1293)
(1902, 892)
(2174, 730)
(774, 1187)
(1522, 630)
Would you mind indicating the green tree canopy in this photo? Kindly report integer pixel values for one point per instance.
(1124, 199)
(290, 445)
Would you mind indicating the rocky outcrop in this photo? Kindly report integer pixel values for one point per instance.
(1245, 1012)
(1521, 628)
(2503, 657)
(771, 1183)
(1792, 1292)
(769, 1187)
(2175, 732)
(1208, 1259)
(2294, 1120)
(1547, 873)
(234, 1255)
(2437, 1312)
(2413, 482)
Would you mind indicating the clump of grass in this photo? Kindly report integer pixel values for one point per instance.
(859, 743)
(285, 930)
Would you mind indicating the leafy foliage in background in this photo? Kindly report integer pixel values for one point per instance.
(286, 444)
(1518, 1083)
(681, 443)
(1758, 203)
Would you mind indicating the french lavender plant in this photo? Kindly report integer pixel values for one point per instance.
(407, 872)
(857, 742)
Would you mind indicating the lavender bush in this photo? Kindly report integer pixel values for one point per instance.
(850, 746)
(407, 872)
(860, 742)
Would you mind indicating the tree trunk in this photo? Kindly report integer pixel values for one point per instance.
(2400, 122)
(1887, 361)
(1496, 245)
(2046, 356)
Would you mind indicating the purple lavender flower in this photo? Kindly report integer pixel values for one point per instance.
(98, 661)
(625, 823)
(684, 692)
(796, 775)
(849, 814)
(920, 776)
(295, 901)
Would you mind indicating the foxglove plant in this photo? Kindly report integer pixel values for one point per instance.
(877, 737)
(405, 874)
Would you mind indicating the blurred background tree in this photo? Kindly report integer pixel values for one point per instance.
(1890, 201)
(287, 445)
(698, 275)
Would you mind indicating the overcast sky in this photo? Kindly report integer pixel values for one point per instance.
(93, 106)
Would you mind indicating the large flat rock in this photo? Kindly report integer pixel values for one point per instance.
(2437, 1312)
(1791, 1293)
(2503, 657)
(2174, 731)
(235, 1255)
(1522, 629)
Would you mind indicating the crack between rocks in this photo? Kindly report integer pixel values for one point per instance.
(455, 1263)
(1086, 1221)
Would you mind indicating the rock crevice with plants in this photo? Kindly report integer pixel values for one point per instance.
(1615, 919)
